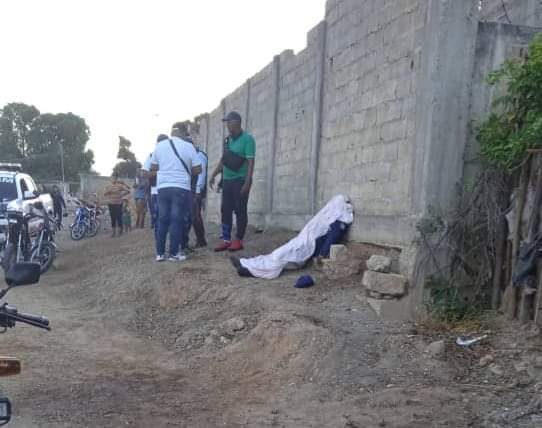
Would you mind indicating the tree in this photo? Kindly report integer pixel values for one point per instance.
(15, 126)
(36, 139)
(129, 165)
(515, 123)
(56, 135)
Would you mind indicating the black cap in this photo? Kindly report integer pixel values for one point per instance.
(232, 116)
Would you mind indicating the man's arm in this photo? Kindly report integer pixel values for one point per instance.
(245, 190)
(218, 170)
(202, 178)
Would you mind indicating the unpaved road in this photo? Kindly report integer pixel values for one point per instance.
(140, 344)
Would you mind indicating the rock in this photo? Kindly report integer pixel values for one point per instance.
(344, 265)
(234, 325)
(496, 370)
(385, 283)
(379, 264)
(436, 349)
(374, 295)
(486, 360)
(335, 251)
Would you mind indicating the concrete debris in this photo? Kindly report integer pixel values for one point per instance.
(383, 283)
(234, 325)
(379, 264)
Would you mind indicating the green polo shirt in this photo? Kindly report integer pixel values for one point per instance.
(244, 146)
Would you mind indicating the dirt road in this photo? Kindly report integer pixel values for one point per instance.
(140, 344)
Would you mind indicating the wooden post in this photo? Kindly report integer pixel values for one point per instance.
(510, 298)
(528, 291)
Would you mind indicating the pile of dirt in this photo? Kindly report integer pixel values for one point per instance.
(249, 352)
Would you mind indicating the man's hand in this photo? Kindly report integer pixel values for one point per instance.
(212, 182)
(245, 190)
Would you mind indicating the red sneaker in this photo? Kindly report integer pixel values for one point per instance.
(223, 247)
(236, 245)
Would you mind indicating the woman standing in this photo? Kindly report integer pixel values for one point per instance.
(115, 193)
(141, 186)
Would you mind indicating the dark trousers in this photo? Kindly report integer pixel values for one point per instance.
(233, 201)
(197, 220)
(174, 208)
(115, 211)
(333, 236)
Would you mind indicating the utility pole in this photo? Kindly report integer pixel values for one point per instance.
(61, 148)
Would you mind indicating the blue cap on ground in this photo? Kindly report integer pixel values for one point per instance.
(304, 281)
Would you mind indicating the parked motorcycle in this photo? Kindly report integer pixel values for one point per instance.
(86, 223)
(44, 247)
(19, 274)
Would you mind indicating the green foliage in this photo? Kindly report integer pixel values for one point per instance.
(33, 138)
(444, 301)
(128, 166)
(515, 123)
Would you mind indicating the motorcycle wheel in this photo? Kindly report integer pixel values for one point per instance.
(78, 231)
(94, 228)
(10, 256)
(45, 257)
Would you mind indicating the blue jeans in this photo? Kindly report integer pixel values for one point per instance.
(153, 210)
(174, 205)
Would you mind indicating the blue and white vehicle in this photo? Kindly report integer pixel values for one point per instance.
(18, 193)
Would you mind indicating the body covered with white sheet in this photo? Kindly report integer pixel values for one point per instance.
(301, 248)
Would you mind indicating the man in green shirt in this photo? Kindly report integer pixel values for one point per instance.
(237, 168)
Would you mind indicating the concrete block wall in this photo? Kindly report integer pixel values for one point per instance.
(369, 113)
(376, 107)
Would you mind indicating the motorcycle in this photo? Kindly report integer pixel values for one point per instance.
(19, 274)
(86, 223)
(18, 241)
(44, 248)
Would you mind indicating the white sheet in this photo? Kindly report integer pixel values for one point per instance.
(301, 248)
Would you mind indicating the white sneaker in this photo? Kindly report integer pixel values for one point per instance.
(177, 258)
(160, 258)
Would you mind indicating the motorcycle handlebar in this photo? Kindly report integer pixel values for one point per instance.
(34, 320)
(9, 316)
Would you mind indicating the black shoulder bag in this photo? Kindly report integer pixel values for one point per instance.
(230, 159)
(179, 157)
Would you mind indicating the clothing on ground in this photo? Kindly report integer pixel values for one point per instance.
(245, 146)
(171, 172)
(302, 247)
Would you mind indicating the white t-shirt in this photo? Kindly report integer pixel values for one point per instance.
(171, 172)
(147, 167)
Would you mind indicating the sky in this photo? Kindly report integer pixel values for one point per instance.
(133, 67)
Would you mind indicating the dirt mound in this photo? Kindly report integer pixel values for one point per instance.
(192, 344)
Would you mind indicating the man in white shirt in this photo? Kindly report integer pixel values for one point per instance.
(175, 161)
